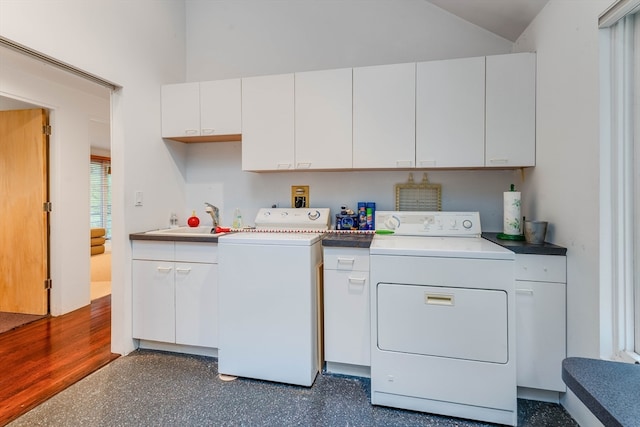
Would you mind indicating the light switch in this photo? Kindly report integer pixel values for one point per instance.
(138, 198)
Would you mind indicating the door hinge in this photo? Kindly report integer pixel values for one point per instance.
(46, 129)
(47, 207)
(48, 283)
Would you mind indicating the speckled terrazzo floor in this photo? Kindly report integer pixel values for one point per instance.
(148, 388)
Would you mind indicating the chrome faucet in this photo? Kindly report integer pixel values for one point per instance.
(214, 212)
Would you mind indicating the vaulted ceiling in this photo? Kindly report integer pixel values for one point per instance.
(506, 18)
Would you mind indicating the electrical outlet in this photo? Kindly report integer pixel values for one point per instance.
(299, 196)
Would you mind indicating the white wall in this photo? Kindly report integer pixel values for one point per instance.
(227, 39)
(140, 46)
(563, 187)
(214, 175)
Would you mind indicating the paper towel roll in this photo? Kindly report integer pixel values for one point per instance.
(512, 221)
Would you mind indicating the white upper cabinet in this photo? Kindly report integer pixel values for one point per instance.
(323, 119)
(511, 110)
(450, 98)
(205, 111)
(384, 126)
(220, 111)
(180, 110)
(268, 122)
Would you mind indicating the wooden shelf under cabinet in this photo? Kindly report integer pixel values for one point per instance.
(207, 138)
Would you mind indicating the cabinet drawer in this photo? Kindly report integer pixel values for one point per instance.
(541, 268)
(197, 252)
(347, 259)
(150, 250)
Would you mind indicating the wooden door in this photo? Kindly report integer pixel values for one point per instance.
(24, 227)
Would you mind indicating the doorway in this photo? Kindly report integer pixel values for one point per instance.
(73, 104)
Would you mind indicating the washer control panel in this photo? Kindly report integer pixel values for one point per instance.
(292, 218)
(406, 223)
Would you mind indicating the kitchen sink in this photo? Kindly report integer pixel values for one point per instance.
(186, 231)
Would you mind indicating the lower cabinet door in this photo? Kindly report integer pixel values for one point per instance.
(196, 304)
(541, 337)
(153, 300)
(347, 333)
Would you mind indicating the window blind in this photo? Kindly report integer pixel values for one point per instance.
(100, 201)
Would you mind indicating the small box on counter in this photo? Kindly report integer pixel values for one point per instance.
(346, 222)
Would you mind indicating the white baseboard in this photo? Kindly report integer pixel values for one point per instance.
(537, 394)
(579, 411)
(177, 348)
(347, 369)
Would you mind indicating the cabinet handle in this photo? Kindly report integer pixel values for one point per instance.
(191, 132)
(498, 161)
(357, 280)
(524, 291)
(283, 166)
(404, 163)
(183, 270)
(208, 131)
(303, 165)
(164, 269)
(342, 260)
(427, 162)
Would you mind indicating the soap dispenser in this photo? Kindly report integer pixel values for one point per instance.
(237, 218)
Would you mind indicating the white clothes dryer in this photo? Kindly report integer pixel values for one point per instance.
(442, 317)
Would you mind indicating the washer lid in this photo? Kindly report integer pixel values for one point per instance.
(448, 247)
(262, 238)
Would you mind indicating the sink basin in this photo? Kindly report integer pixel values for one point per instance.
(186, 231)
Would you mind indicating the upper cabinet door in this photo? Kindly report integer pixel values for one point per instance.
(323, 119)
(511, 110)
(220, 111)
(268, 122)
(450, 101)
(384, 126)
(180, 110)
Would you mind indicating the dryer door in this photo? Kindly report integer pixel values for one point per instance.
(458, 323)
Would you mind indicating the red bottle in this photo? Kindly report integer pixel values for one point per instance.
(193, 220)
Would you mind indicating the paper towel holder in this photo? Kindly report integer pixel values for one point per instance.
(513, 221)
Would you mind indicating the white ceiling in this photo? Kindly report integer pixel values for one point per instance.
(506, 18)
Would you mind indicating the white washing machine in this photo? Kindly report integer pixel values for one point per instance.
(268, 297)
(442, 317)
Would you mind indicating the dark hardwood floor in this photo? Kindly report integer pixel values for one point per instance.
(44, 357)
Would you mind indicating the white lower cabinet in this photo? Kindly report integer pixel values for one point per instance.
(175, 293)
(541, 321)
(346, 310)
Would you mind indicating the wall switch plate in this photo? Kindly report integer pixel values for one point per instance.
(138, 198)
(299, 196)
